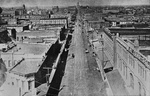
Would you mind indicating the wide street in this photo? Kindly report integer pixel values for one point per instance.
(82, 77)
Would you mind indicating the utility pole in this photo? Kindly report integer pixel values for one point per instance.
(102, 61)
(48, 74)
(12, 57)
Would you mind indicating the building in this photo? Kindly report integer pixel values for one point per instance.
(18, 28)
(37, 36)
(31, 72)
(22, 76)
(55, 9)
(21, 11)
(12, 21)
(7, 14)
(2, 72)
(131, 69)
(58, 21)
(4, 36)
(38, 16)
(22, 50)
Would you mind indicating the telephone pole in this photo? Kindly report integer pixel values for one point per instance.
(48, 74)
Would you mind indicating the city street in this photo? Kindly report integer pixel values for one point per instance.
(81, 75)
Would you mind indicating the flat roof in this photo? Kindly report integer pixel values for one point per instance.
(27, 66)
(37, 34)
(26, 48)
(29, 31)
(16, 25)
(130, 31)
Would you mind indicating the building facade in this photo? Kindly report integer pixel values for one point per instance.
(63, 21)
(133, 67)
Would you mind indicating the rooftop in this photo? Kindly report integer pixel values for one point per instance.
(27, 66)
(53, 18)
(37, 34)
(36, 49)
(16, 25)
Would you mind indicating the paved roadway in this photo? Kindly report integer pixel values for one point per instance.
(81, 75)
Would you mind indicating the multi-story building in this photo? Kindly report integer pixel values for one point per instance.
(52, 21)
(130, 68)
(29, 73)
(7, 14)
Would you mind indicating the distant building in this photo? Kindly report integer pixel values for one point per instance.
(12, 21)
(55, 9)
(52, 21)
(37, 36)
(59, 16)
(38, 17)
(110, 11)
(6, 15)
(21, 11)
(18, 28)
(72, 9)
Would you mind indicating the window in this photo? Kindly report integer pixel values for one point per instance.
(124, 69)
(133, 63)
(144, 92)
(131, 80)
(12, 83)
(17, 82)
(126, 72)
(29, 85)
(9, 63)
(140, 89)
(120, 64)
(145, 74)
(23, 85)
(141, 73)
(125, 54)
(118, 61)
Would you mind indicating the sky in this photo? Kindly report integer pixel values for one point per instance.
(11, 3)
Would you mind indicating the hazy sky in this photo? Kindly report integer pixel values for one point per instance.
(8, 3)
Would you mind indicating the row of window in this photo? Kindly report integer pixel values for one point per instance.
(131, 61)
(145, 37)
(9, 63)
(124, 53)
(22, 84)
(50, 22)
(122, 66)
(142, 72)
